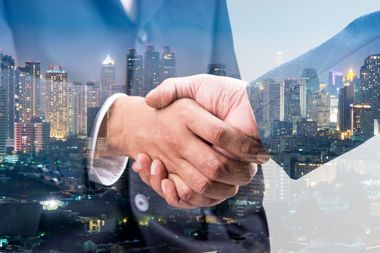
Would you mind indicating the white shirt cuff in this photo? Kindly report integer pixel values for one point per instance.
(104, 170)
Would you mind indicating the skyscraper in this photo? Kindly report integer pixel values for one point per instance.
(93, 94)
(151, 69)
(362, 123)
(168, 66)
(8, 82)
(294, 99)
(41, 136)
(108, 78)
(272, 103)
(56, 81)
(320, 108)
(335, 82)
(346, 98)
(24, 137)
(32, 136)
(134, 73)
(33, 71)
(3, 120)
(217, 69)
(311, 78)
(77, 109)
(370, 83)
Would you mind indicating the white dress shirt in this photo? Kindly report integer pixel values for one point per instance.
(107, 170)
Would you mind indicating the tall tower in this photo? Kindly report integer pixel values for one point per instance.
(151, 69)
(167, 63)
(56, 81)
(134, 73)
(33, 71)
(335, 82)
(77, 109)
(3, 120)
(108, 77)
(293, 99)
(346, 98)
(7, 80)
(370, 83)
(362, 124)
(310, 76)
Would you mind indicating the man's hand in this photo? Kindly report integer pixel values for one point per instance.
(179, 136)
(224, 97)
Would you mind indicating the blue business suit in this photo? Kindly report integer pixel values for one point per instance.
(76, 34)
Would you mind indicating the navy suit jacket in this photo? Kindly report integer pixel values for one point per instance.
(78, 35)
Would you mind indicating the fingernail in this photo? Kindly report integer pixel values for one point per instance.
(262, 158)
(136, 166)
(163, 187)
(154, 168)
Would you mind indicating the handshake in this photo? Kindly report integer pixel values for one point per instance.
(194, 139)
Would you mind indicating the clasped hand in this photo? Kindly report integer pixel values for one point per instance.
(194, 139)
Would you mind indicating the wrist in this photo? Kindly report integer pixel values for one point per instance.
(126, 118)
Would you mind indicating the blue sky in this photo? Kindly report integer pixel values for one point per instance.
(263, 28)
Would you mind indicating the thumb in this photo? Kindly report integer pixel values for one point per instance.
(168, 91)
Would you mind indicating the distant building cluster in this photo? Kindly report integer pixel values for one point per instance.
(37, 106)
(306, 123)
(145, 72)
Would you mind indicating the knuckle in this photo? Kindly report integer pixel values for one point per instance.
(235, 190)
(218, 134)
(216, 168)
(245, 147)
(250, 172)
(203, 186)
(185, 194)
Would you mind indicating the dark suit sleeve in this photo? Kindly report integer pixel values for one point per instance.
(223, 47)
(6, 41)
(291, 162)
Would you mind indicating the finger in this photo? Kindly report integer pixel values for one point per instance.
(158, 173)
(221, 134)
(142, 167)
(215, 166)
(171, 196)
(168, 91)
(201, 184)
(186, 194)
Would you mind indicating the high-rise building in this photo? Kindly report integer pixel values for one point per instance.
(93, 94)
(272, 103)
(135, 76)
(56, 81)
(33, 71)
(320, 108)
(8, 82)
(362, 122)
(346, 98)
(151, 69)
(311, 78)
(3, 120)
(335, 82)
(77, 109)
(24, 137)
(217, 69)
(41, 136)
(294, 99)
(168, 67)
(370, 83)
(32, 136)
(108, 78)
